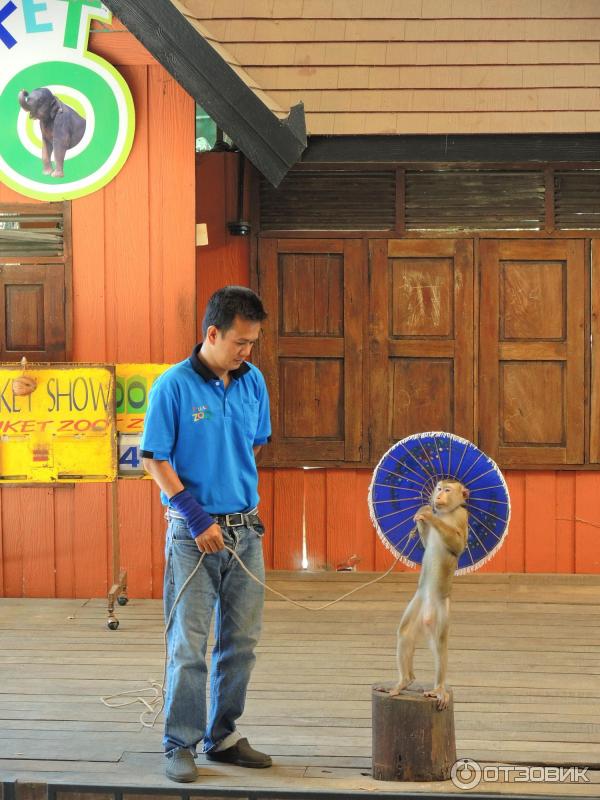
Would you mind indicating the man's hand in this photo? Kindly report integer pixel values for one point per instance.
(211, 540)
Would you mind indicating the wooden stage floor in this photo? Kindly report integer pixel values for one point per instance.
(524, 664)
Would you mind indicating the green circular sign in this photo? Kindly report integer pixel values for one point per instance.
(106, 112)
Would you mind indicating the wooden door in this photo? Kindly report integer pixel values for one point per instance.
(531, 354)
(421, 339)
(314, 294)
(32, 312)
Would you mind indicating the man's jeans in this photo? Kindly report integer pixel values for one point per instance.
(220, 584)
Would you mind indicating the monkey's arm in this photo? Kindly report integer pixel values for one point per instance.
(420, 519)
(454, 535)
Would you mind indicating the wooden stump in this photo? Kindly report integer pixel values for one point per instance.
(412, 740)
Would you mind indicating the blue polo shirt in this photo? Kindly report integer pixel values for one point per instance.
(206, 431)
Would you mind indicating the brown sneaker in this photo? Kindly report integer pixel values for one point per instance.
(242, 755)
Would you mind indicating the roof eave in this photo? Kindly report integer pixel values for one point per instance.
(271, 144)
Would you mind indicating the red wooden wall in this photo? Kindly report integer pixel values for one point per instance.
(554, 526)
(133, 300)
(138, 280)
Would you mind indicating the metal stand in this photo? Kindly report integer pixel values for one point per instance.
(118, 589)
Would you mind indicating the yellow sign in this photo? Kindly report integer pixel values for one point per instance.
(64, 431)
(133, 384)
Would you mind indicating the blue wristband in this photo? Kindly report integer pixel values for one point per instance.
(197, 519)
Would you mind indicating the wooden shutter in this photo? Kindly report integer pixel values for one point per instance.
(474, 200)
(577, 199)
(32, 312)
(34, 276)
(421, 339)
(330, 200)
(531, 371)
(314, 291)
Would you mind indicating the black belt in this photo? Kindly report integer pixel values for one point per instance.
(237, 520)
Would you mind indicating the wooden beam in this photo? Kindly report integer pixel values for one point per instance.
(473, 149)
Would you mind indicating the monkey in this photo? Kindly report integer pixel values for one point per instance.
(442, 526)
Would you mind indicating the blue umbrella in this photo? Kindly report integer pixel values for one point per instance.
(405, 478)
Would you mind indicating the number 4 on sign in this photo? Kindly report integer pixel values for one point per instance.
(130, 458)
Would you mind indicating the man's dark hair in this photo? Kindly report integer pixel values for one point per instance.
(230, 302)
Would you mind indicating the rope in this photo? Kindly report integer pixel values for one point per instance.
(578, 519)
(156, 688)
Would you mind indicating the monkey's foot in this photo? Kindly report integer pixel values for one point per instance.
(441, 695)
(401, 686)
(57, 173)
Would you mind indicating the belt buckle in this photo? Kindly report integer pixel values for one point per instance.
(230, 524)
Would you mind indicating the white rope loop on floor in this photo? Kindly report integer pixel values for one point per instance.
(157, 696)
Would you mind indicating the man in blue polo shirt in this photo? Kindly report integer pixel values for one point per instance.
(207, 418)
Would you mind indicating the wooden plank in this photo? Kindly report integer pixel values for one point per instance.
(89, 224)
(421, 348)
(488, 349)
(288, 516)
(533, 351)
(595, 334)
(12, 542)
(268, 288)
(316, 504)
(265, 491)
(90, 546)
(342, 545)
(565, 521)
(575, 411)
(540, 545)
(171, 221)
(587, 522)
(365, 530)
(355, 438)
(135, 524)
(36, 521)
(63, 542)
(317, 347)
(127, 242)
(158, 530)
(443, 149)
(316, 246)
(225, 260)
(515, 542)
(119, 48)
(378, 348)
